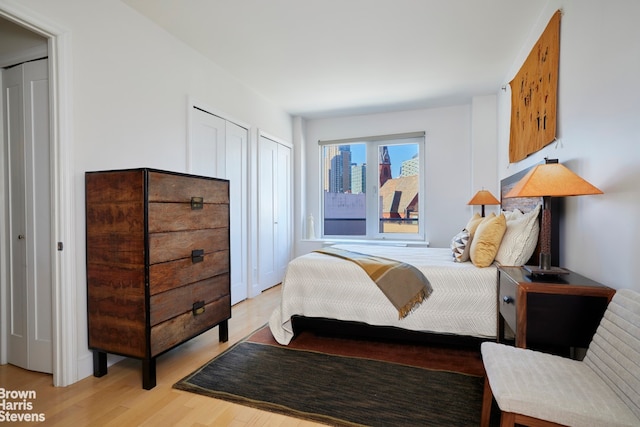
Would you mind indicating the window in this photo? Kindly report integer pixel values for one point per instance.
(379, 202)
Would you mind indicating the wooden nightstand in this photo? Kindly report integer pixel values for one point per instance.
(550, 313)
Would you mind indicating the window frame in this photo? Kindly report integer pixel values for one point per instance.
(372, 218)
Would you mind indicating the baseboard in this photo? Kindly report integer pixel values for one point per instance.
(85, 364)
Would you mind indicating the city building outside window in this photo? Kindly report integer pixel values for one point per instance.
(379, 202)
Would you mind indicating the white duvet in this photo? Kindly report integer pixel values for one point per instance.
(463, 302)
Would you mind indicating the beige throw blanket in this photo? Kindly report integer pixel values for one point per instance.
(403, 284)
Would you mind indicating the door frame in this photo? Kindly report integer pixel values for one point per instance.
(63, 260)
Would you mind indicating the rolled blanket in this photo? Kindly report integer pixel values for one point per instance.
(403, 284)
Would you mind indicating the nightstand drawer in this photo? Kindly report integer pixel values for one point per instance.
(507, 300)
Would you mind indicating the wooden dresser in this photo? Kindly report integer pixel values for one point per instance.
(157, 263)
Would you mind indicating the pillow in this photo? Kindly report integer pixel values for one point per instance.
(473, 223)
(514, 214)
(486, 240)
(460, 245)
(519, 239)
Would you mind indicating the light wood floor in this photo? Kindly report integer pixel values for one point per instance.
(118, 398)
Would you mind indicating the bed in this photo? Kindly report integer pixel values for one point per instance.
(463, 302)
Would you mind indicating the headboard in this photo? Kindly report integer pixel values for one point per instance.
(526, 204)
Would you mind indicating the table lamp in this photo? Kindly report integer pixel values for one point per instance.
(483, 197)
(547, 180)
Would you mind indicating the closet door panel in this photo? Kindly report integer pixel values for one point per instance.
(267, 214)
(274, 206)
(220, 148)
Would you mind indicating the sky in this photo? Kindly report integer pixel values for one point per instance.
(397, 154)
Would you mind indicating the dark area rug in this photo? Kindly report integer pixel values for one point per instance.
(340, 389)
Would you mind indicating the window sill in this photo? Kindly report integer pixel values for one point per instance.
(407, 243)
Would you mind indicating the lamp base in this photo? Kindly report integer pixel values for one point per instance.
(551, 271)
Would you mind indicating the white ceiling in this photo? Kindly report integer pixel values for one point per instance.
(329, 57)
(318, 58)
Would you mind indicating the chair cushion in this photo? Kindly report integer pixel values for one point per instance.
(614, 352)
(552, 388)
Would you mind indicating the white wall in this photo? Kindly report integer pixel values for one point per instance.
(130, 84)
(598, 135)
(449, 160)
(484, 145)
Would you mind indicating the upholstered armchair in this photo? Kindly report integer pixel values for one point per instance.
(539, 389)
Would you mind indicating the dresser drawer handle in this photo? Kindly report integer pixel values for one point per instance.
(507, 299)
(197, 255)
(197, 203)
(198, 308)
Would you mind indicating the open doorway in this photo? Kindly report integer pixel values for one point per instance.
(61, 286)
(27, 196)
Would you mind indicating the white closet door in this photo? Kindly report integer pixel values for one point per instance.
(219, 149)
(237, 142)
(30, 309)
(208, 144)
(284, 235)
(274, 211)
(267, 214)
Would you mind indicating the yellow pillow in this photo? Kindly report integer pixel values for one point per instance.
(473, 223)
(486, 240)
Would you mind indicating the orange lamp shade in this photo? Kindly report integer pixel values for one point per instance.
(483, 197)
(551, 179)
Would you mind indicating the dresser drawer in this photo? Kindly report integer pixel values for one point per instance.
(165, 187)
(173, 274)
(180, 216)
(171, 246)
(507, 301)
(180, 328)
(165, 305)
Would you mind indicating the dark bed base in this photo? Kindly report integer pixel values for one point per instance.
(363, 331)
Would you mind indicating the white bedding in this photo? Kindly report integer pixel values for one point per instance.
(463, 302)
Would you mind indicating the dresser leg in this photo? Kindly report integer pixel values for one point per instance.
(99, 364)
(148, 373)
(223, 331)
